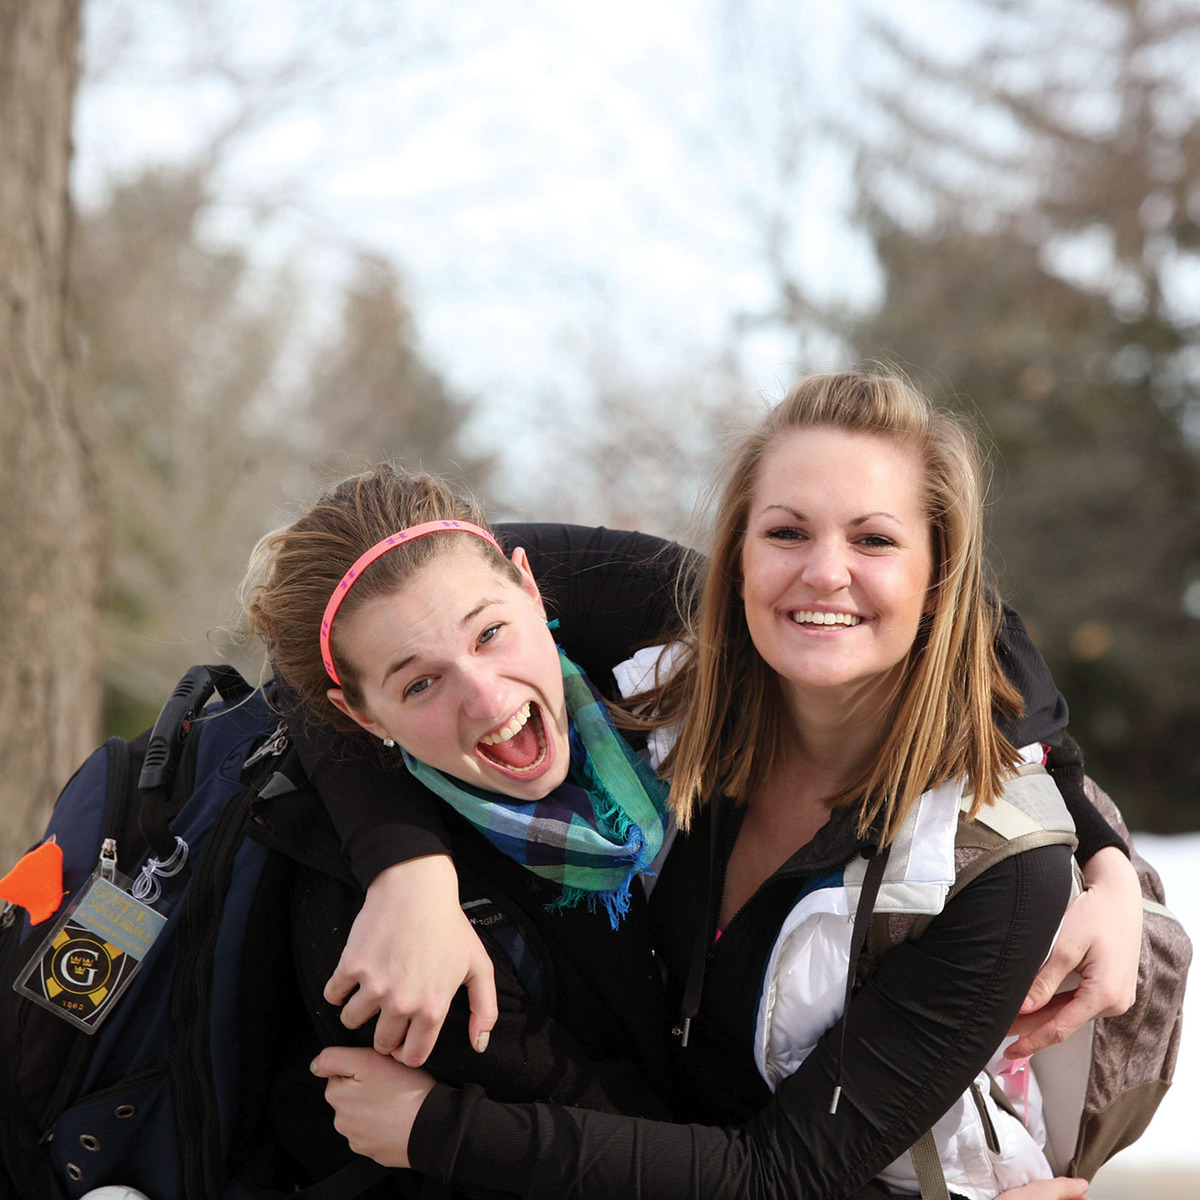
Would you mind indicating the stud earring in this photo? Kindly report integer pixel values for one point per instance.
(389, 743)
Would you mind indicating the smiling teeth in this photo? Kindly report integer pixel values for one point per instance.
(825, 618)
(510, 730)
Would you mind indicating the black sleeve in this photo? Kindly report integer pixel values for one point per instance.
(1064, 761)
(1045, 720)
(612, 592)
(1045, 711)
(919, 1030)
(381, 814)
(532, 1054)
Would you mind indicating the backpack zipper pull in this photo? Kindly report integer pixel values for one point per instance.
(273, 747)
(108, 859)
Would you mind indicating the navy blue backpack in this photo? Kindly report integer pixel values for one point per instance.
(170, 1093)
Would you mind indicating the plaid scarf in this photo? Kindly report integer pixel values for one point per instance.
(592, 834)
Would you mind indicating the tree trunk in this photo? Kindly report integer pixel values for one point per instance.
(51, 545)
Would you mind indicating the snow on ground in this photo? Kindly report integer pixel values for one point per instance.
(1171, 1141)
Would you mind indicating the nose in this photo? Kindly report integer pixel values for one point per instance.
(827, 566)
(482, 693)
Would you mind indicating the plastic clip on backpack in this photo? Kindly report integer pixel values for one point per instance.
(120, 1060)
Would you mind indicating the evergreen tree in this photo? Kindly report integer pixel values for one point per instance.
(373, 393)
(179, 356)
(1033, 266)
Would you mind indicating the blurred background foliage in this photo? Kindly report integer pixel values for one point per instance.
(203, 437)
(1031, 205)
(1048, 291)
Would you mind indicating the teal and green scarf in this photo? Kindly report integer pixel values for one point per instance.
(593, 834)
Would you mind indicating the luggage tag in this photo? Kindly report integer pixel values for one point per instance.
(94, 949)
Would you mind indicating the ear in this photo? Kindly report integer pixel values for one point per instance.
(528, 584)
(337, 698)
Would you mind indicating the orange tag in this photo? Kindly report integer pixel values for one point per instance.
(35, 883)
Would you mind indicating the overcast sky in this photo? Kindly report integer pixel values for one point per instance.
(571, 191)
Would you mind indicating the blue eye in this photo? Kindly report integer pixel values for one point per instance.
(489, 633)
(417, 687)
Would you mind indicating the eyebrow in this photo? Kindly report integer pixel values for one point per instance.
(800, 516)
(467, 618)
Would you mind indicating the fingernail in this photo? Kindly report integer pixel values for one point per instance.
(312, 1066)
(481, 1042)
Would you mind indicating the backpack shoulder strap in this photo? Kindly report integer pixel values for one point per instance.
(1029, 813)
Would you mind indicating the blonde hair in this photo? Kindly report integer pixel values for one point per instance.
(725, 699)
(294, 570)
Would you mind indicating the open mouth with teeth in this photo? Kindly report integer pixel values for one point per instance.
(814, 619)
(520, 748)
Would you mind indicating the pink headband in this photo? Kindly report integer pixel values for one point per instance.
(365, 560)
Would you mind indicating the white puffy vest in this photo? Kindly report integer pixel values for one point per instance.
(804, 983)
(804, 990)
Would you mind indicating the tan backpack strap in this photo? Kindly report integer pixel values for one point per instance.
(1001, 1098)
(928, 1167)
(1006, 849)
(1029, 813)
(879, 940)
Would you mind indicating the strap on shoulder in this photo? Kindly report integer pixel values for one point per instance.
(1028, 814)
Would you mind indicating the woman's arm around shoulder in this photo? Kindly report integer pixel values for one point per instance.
(920, 1029)
(410, 948)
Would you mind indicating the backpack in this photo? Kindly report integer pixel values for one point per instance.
(177, 1090)
(1130, 1059)
(1102, 1085)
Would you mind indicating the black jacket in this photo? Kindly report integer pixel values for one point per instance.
(582, 1012)
(919, 1029)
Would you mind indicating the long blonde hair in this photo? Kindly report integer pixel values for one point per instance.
(725, 699)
